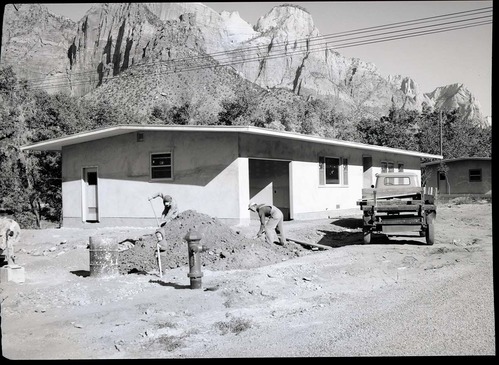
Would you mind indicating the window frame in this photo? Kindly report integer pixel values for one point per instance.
(151, 167)
(342, 171)
(479, 175)
(387, 166)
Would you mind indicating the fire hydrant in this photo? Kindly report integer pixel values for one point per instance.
(194, 247)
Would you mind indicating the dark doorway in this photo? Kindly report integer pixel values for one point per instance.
(90, 195)
(367, 164)
(269, 183)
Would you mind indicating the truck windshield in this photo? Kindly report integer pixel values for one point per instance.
(389, 181)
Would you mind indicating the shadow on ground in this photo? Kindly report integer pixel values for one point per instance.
(83, 273)
(173, 285)
(348, 223)
(340, 239)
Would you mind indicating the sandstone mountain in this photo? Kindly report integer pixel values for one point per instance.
(142, 54)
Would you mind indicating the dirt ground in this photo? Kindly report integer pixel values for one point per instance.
(396, 296)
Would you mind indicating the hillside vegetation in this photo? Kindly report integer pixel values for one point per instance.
(31, 181)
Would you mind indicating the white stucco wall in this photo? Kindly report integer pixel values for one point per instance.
(308, 198)
(207, 177)
(211, 176)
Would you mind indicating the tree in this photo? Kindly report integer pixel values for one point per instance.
(429, 131)
(31, 181)
(233, 109)
(17, 189)
(398, 130)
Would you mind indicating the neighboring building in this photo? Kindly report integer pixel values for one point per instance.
(458, 176)
(108, 174)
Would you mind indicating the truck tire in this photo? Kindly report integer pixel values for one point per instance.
(430, 229)
(366, 234)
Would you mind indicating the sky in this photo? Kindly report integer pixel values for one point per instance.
(458, 56)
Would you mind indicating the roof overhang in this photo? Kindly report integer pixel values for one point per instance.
(57, 144)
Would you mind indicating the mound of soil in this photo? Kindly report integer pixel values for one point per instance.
(225, 248)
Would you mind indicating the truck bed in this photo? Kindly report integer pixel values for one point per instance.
(401, 198)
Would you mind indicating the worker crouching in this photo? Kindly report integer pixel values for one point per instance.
(271, 222)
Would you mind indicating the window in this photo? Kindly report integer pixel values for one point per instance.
(161, 165)
(398, 181)
(333, 171)
(475, 175)
(387, 166)
(441, 175)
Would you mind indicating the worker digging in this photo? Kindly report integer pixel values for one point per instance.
(170, 210)
(271, 221)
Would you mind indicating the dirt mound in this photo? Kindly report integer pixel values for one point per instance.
(226, 248)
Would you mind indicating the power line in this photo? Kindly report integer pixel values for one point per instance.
(310, 45)
(322, 37)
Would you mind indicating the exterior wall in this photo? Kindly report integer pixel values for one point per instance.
(210, 175)
(458, 177)
(309, 199)
(205, 164)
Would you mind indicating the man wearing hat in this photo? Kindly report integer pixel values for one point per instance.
(170, 210)
(273, 224)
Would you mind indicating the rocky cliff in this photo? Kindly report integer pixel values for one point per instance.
(154, 41)
(36, 42)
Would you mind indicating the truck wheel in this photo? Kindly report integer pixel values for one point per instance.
(367, 236)
(430, 229)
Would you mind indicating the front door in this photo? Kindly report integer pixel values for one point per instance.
(90, 195)
(442, 183)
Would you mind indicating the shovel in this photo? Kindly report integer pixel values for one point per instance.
(155, 216)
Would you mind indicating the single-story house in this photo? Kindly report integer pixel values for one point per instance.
(458, 176)
(109, 173)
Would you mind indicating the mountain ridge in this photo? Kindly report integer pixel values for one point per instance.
(277, 53)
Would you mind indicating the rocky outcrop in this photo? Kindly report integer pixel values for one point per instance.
(283, 50)
(457, 96)
(35, 43)
(110, 39)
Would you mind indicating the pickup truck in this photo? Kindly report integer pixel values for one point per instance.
(397, 204)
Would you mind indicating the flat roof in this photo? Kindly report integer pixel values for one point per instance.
(458, 159)
(56, 144)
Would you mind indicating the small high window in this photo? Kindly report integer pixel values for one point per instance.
(161, 165)
(475, 175)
